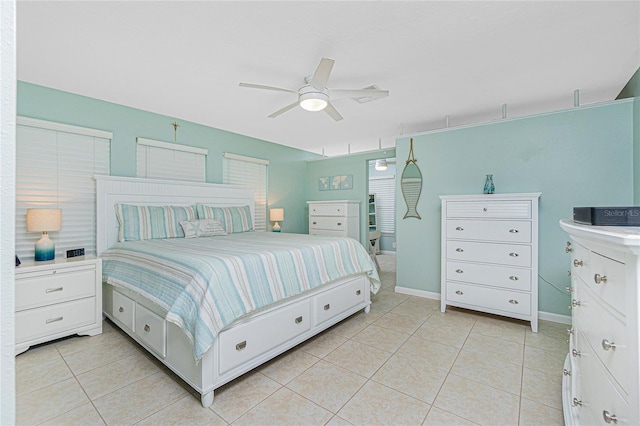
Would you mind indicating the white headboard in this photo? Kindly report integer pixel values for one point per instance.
(114, 189)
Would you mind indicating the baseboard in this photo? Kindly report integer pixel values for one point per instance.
(387, 252)
(545, 316)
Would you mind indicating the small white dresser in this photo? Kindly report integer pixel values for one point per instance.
(601, 383)
(490, 254)
(56, 299)
(335, 218)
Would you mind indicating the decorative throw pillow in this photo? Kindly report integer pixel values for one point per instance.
(202, 228)
(234, 219)
(151, 222)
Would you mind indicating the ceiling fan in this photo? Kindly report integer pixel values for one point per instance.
(316, 96)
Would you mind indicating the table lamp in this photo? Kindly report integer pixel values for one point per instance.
(44, 220)
(276, 215)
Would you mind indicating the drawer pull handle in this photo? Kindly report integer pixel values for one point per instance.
(569, 330)
(609, 418)
(577, 263)
(327, 307)
(298, 320)
(484, 210)
(566, 372)
(513, 301)
(339, 223)
(600, 278)
(575, 303)
(568, 289)
(513, 254)
(459, 250)
(607, 345)
(147, 328)
(513, 231)
(49, 321)
(576, 402)
(51, 290)
(459, 228)
(459, 292)
(315, 223)
(513, 278)
(459, 271)
(575, 353)
(120, 309)
(358, 292)
(240, 346)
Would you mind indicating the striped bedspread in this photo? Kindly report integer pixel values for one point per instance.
(206, 283)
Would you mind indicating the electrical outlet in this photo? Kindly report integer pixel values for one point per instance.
(75, 253)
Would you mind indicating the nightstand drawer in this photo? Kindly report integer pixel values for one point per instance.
(48, 320)
(54, 286)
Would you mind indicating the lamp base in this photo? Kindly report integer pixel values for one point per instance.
(276, 227)
(45, 248)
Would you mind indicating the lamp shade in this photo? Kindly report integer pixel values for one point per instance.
(276, 215)
(381, 164)
(44, 220)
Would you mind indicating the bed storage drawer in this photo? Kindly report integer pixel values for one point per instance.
(246, 341)
(123, 309)
(151, 329)
(335, 301)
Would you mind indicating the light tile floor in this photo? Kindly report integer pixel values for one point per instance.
(404, 363)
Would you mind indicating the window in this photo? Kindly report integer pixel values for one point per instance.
(55, 165)
(162, 160)
(384, 189)
(250, 172)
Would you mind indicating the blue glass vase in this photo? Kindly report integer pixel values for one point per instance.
(489, 187)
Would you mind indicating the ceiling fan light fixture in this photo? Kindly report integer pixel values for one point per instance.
(381, 164)
(314, 101)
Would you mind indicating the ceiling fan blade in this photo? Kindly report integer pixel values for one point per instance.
(345, 93)
(333, 113)
(260, 86)
(321, 76)
(283, 110)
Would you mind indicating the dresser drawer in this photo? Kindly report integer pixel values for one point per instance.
(496, 276)
(599, 327)
(335, 301)
(504, 254)
(52, 319)
(244, 342)
(599, 395)
(479, 296)
(151, 328)
(520, 209)
(328, 233)
(123, 309)
(54, 286)
(606, 278)
(327, 210)
(510, 231)
(328, 223)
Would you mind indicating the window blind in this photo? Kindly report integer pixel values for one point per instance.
(250, 172)
(384, 189)
(55, 165)
(162, 160)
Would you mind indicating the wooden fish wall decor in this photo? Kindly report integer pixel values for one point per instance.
(411, 184)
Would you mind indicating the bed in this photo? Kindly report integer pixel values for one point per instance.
(172, 295)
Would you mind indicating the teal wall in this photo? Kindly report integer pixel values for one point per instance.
(354, 164)
(287, 168)
(578, 157)
(630, 90)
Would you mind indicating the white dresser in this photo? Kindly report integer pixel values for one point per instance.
(490, 254)
(335, 218)
(601, 382)
(56, 299)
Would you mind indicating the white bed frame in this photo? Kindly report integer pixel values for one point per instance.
(245, 344)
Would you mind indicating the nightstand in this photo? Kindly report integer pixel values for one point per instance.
(57, 298)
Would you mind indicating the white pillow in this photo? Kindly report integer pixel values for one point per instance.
(202, 228)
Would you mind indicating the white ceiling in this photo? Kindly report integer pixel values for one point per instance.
(461, 59)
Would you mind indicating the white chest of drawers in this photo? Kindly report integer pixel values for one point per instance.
(335, 218)
(57, 299)
(490, 254)
(601, 383)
